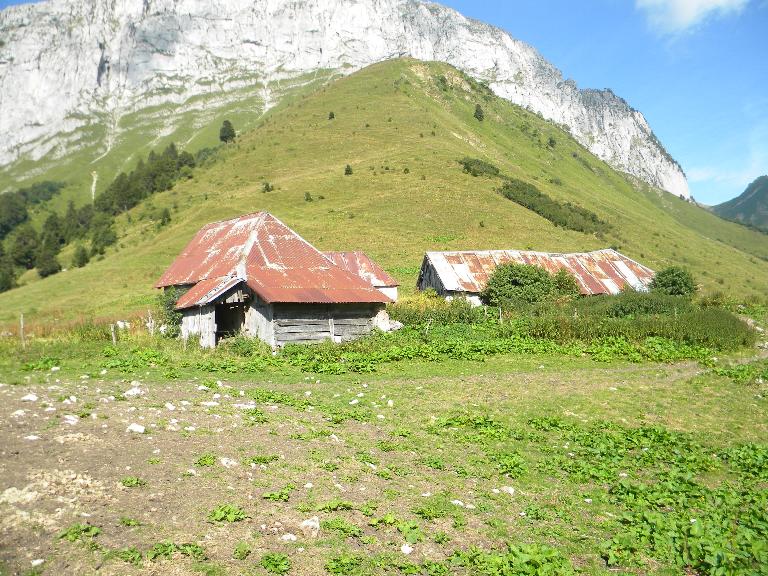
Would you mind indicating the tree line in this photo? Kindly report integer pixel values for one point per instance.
(90, 226)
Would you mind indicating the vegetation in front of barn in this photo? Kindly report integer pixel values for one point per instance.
(473, 475)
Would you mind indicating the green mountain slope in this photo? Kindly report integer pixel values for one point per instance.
(750, 207)
(402, 126)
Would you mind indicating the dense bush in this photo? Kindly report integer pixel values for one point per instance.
(630, 304)
(167, 314)
(563, 214)
(513, 284)
(674, 281)
(478, 167)
(479, 114)
(429, 308)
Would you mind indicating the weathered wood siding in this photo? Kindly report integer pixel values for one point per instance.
(429, 278)
(258, 321)
(308, 323)
(200, 322)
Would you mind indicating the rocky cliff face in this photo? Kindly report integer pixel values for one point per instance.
(71, 68)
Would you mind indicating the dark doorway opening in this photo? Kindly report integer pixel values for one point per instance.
(230, 320)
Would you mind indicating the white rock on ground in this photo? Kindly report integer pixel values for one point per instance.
(137, 428)
(310, 527)
(31, 397)
(406, 548)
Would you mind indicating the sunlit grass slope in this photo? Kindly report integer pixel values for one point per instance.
(402, 130)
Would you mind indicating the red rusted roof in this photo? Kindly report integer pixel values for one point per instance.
(598, 272)
(273, 260)
(360, 263)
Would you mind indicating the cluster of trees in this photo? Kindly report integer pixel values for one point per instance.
(90, 226)
(478, 167)
(563, 214)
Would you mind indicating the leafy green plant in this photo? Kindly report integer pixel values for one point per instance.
(79, 532)
(227, 513)
(206, 459)
(282, 495)
(161, 550)
(347, 529)
(133, 482)
(276, 563)
(513, 283)
(242, 551)
(130, 555)
(344, 565)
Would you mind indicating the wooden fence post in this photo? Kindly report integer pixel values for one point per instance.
(114, 336)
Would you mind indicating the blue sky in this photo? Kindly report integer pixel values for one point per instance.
(697, 69)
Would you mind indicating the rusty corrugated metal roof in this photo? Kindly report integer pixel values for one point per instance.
(597, 272)
(273, 260)
(360, 263)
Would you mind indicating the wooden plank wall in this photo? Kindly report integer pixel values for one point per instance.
(308, 323)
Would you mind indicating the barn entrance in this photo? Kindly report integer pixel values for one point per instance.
(230, 320)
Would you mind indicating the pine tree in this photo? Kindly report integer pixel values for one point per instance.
(46, 262)
(479, 114)
(24, 246)
(331, 115)
(348, 170)
(227, 132)
(80, 258)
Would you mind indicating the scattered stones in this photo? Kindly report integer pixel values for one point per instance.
(508, 489)
(31, 397)
(135, 391)
(137, 428)
(288, 537)
(228, 462)
(71, 419)
(310, 527)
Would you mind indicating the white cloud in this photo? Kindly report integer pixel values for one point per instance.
(675, 16)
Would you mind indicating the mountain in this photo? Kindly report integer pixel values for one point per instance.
(89, 83)
(750, 207)
(402, 126)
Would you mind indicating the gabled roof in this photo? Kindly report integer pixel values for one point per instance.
(272, 260)
(359, 263)
(598, 272)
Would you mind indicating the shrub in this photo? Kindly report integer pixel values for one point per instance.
(479, 114)
(428, 307)
(565, 283)
(674, 281)
(168, 316)
(331, 115)
(478, 167)
(348, 170)
(80, 257)
(563, 214)
(513, 283)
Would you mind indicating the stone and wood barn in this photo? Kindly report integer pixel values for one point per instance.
(254, 275)
(465, 273)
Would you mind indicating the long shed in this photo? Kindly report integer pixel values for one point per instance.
(254, 275)
(465, 273)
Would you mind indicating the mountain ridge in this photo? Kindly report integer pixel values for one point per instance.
(177, 62)
(750, 207)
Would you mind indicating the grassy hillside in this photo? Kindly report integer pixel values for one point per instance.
(402, 128)
(749, 207)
